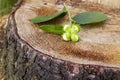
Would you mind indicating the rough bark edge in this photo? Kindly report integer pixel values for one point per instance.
(22, 62)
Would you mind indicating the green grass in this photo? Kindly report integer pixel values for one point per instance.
(6, 6)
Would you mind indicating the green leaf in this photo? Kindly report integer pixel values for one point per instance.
(89, 17)
(55, 29)
(39, 19)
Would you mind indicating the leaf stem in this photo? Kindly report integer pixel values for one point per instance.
(70, 19)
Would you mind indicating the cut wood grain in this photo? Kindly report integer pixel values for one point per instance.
(100, 44)
(110, 3)
(30, 53)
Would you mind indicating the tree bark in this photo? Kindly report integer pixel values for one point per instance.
(23, 61)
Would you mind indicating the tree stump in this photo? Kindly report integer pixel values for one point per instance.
(32, 54)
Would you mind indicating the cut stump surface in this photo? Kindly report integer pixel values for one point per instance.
(32, 54)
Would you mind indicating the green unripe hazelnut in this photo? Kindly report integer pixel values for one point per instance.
(74, 37)
(67, 28)
(75, 28)
(70, 32)
(66, 36)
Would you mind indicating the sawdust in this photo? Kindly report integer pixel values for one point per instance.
(2, 23)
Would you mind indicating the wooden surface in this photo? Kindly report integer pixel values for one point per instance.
(99, 45)
(111, 3)
(31, 54)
